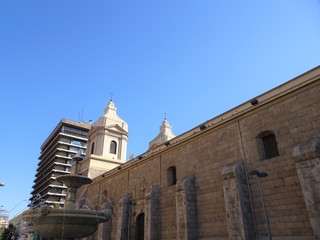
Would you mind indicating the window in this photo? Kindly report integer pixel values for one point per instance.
(267, 145)
(74, 149)
(171, 176)
(74, 131)
(113, 147)
(92, 148)
(74, 142)
(140, 227)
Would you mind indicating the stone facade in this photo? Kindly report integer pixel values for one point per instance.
(196, 186)
(107, 143)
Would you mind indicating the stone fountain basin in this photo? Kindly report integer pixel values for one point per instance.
(73, 180)
(64, 223)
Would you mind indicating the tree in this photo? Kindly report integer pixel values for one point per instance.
(9, 233)
(1, 232)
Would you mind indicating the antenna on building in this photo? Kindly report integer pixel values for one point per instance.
(82, 113)
(111, 95)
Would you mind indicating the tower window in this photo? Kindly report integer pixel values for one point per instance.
(113, 147)
(171, 176)
(92, 148)
(267, 145)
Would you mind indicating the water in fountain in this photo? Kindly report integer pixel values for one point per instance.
(15, 224)
(105, 204)
(99, 202)
(69, 222)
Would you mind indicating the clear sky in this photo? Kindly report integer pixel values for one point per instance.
(189, 59)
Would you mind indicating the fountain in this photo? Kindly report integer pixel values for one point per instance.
(67, 222)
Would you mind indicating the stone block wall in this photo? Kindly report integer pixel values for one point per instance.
(293, 118)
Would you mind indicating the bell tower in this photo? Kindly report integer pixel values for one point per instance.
(164, 135)
(107, 143)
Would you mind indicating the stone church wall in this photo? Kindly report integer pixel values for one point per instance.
(294, 119)
(209, 164)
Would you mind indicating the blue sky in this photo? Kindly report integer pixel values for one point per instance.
(189, 59)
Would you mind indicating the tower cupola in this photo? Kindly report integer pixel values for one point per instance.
(164, 135)
(107, 143)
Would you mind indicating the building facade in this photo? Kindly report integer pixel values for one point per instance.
(197, 185)
(4, 218)
(55, 159)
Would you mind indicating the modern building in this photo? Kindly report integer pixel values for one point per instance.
(55, 159)
(205, 183)
(4, 218)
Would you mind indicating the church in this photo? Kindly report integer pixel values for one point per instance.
(252, 172)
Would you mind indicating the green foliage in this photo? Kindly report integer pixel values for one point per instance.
(1, 232)
(9, 233)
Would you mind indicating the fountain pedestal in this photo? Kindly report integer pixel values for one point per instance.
(73, 182)
(68, 222)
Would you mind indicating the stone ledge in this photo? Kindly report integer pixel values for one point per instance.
(292, 238)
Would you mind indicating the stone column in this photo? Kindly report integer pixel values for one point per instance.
(123, 228)
(152, 214)
(106, 230)
(237, 202)
(306, 156)
(186, 209)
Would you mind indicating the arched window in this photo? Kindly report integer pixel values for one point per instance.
(267, 145)
(92, 147)
(113, 147)
(140, 227)
(171, 176)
